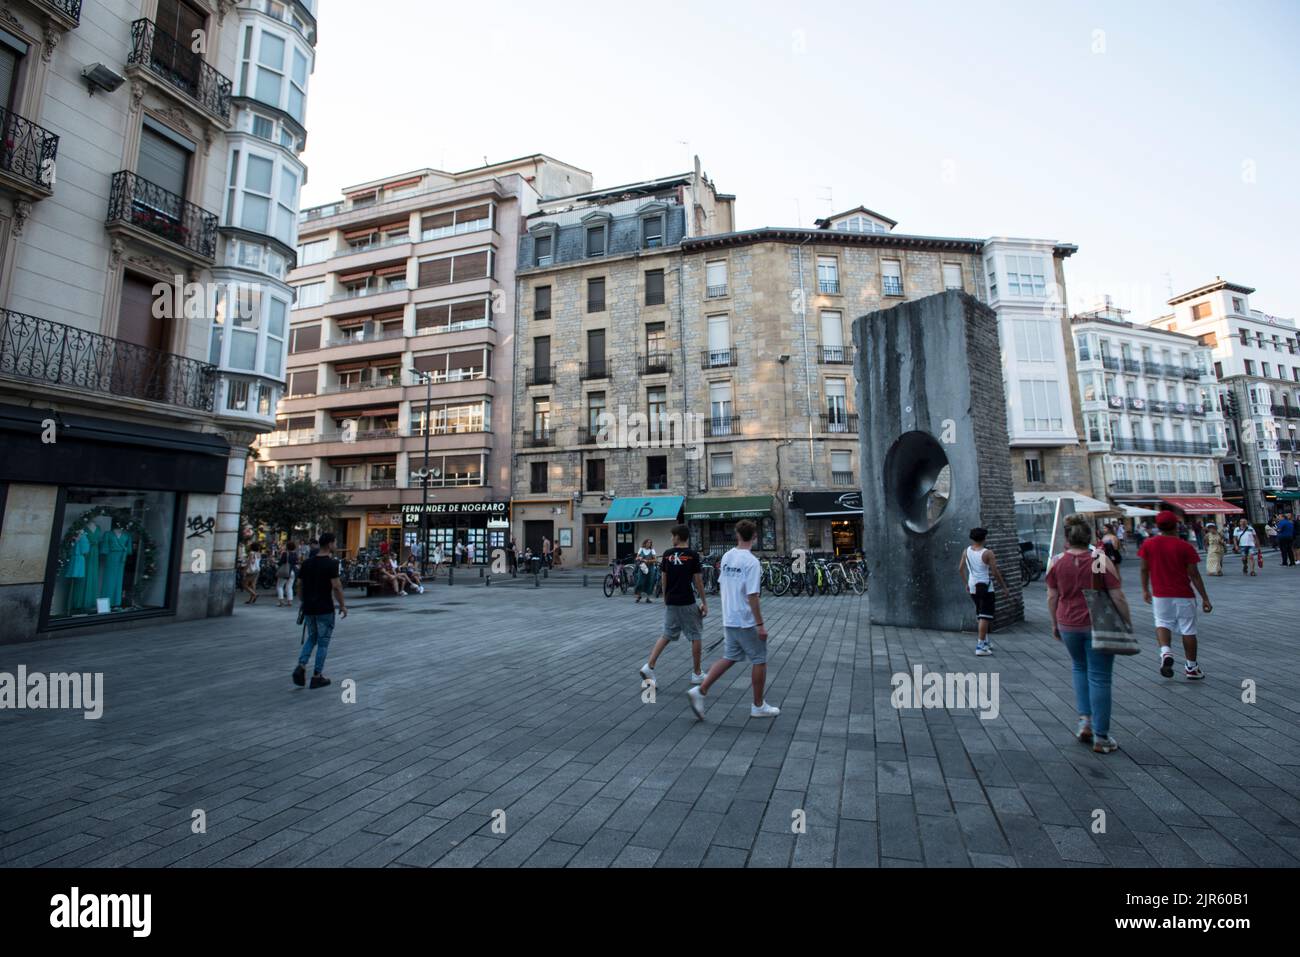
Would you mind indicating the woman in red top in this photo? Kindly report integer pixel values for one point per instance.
(1070, 575)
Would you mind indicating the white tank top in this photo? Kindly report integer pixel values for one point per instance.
(977, 573)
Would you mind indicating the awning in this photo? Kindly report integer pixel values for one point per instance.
(1082, 503)
(1288, 496)
(1134, 511)
(828, 504)
(719, 509)
(657, 508)
(1203, 506)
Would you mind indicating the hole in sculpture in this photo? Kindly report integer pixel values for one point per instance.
(919, 479)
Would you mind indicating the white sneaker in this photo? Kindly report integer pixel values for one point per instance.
(764, 710)
(420, 589)
(982, 650)
(697, 702)
(648, 673)
(698, 678)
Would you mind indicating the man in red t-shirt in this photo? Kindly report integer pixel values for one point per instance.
(1169, 572)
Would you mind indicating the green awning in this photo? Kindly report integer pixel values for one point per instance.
(720, 509)
(652, 508)
(1288, 496)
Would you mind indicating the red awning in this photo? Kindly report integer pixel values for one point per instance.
(1203, 506)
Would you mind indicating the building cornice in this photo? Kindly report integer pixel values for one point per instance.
(824, 237)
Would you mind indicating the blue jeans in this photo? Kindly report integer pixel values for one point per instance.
(320, 628)
(1091, 679)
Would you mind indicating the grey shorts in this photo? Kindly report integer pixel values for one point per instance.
(744, 643)
(683, 620)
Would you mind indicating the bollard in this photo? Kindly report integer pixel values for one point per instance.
(480, 571)
(487, 581)
(537, 581)
(451, 574)
(546, 573)
(584, 579)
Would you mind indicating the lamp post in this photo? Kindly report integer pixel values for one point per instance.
(425, 473)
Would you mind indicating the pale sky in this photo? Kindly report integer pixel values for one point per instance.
(1160, 137)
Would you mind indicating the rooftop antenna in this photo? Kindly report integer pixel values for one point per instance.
(1169, 283)
(829, 198)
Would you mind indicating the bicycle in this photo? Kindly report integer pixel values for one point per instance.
(1031, 566)
(620, 577)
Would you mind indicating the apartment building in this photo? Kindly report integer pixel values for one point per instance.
(401, 347)
(748, 334)
(143, 249)
(1151, 415)
(1257, 362)
(599, 346)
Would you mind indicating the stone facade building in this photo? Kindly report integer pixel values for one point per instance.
(145, 232)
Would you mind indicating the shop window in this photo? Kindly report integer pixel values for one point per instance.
(114, 553)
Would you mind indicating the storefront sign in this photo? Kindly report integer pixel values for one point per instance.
(381, 519)
(491, 510)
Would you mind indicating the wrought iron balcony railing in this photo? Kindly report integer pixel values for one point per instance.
(1110, 363)
(837, 423)
(1205, 488)
(835, 355)
(179, 66)
(656, 363)
(68, 9)
(1121, 486)
(842, 479)
(145, 205)
(538, 439)
(721, 426)
(718, 358)
(540, 375)
(27, 151)
(594, 369)
(56, 354)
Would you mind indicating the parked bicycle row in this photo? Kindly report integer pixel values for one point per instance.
(792, 575)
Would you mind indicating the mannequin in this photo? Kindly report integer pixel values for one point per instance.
(94, 573)
(76, 573)
(116, 546)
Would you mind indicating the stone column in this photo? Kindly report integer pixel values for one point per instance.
(221, 587)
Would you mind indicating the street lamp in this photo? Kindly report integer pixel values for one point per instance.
(425, 473)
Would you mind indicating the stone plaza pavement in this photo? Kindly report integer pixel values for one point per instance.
(471, 700)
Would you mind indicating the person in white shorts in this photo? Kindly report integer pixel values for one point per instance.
(740, 576)
(1169, 574)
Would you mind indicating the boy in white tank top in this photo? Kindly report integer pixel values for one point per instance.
(979, 570)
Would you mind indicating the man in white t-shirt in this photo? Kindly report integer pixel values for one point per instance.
(740, 578)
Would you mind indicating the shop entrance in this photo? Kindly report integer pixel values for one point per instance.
(596, 538)
(846, 538)
(534, 532)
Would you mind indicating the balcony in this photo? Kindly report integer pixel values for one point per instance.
(380, 336)
(716, 292)
(540, 375)
(656, 363)
(1285, 412)
(721, 426)
(361, 485)
(1187, 488)
(889, 286)
(1189, 373)
(719, 358)
(1145, 486)
(591, 435)
(150, 212)
(594, 369)
(723, 480)
(839, 423)
(1161, 446)
(1110, 363)
(364, 385)
(1206, 488)
(842, 479)
(1131, 365)
(1157, 407)
(1231, 483)
(1167, 488)
(1152, 368)
(1122, 487)
(179, 68)
(537, 439)
(835, 355)
(54, 354)
(1137, 404)
(27, 156)
(67, 13)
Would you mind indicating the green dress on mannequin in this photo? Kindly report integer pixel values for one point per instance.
(94, 574)
(76, 573)
(116, 545)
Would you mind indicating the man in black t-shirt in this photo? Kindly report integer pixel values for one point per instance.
(681, 569)
(321, 588)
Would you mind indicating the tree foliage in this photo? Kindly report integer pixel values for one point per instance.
(289, 506)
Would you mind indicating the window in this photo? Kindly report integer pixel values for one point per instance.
(656, 345)
(952, 276)
(165, 161)
(542, 247)
(841, 468)
(1202, 310)
(656, 472)
(595, 295)
(837, 405)
(720, 471)
(542, 302)
(596, 353)
(1025, 276)
(1238, 306)
(298, 86)
(720, 408)
(832, 325)
(891, 277)
(595, 411)
(719, 353)
(541, 418)
(538, 478)
(596, 475)
(258, 172)
(1250, 366)
(595, 241)
(454, 317)
(654, 287)
(311, 294)
(472, 219)
(452, 269)
(541, 361)
(657, 407)
(828, 275)
(1033, 469)
(1035, 340)
(652, 232)
(992, 273)
(302, 382)
(1041, 399)
(715, 279)
(303, 339)
(316, 251)
(1264, 369)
